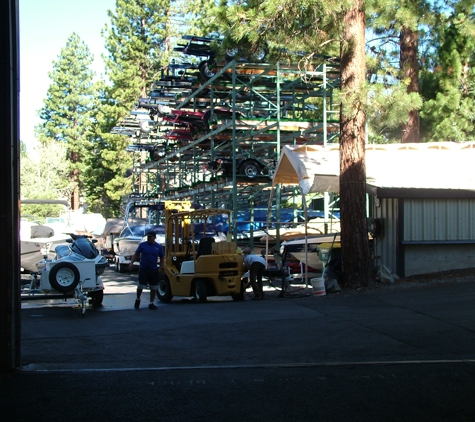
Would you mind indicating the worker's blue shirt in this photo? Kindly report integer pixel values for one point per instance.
(149, 254)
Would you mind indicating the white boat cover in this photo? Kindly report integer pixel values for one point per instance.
(435, 165)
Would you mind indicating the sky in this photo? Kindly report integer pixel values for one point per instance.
(45, 26)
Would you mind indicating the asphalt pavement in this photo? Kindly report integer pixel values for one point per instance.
(405, 355)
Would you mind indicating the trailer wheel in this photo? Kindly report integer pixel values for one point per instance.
(259, 54)
(207, 69)
(200, 291)
(97, 296)
(64, 277)
(164, 291)
(250, 169)
(120, 268)
(231, 53)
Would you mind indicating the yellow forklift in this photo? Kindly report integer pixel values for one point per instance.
(200, 261)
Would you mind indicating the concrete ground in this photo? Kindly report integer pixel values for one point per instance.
(404, 354)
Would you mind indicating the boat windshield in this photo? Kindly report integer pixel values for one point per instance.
(141, 231)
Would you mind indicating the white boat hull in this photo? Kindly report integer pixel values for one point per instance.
(35, 250)
(126, 246)
(38, 241)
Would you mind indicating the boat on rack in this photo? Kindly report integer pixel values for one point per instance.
(314, 228)
(313, 251)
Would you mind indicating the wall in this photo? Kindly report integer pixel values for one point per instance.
(385, 246)
(10, 305)
(439, 220)
(424, 259)
(423, 236)
(438, 235)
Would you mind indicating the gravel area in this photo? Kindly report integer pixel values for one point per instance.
(417, 281)
(297, 289)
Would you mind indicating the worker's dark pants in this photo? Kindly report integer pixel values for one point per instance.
(255, 274)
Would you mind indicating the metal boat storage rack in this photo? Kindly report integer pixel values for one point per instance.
(214, 137)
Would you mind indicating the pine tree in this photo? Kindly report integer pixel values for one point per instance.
(137, 42)
(68, 110)
(409, 61)
(356, 262)
(449, 79)
(395, 26)
(325, 27)
(199, 17)
(310, 25)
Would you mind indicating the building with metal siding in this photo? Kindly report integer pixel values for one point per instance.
(426, 235)
(386, 210)
(422, 195)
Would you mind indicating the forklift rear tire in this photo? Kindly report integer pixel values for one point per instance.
(239, 296)
(164, 291)
(200, 291)
(242, 294)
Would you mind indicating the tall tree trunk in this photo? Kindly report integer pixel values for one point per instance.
(75, 199)
(409, 41)
(356, 264)
(74, 158)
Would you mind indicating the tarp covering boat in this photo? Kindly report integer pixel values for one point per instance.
(435, 165)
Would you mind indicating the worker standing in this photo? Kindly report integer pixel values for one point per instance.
(149, 253)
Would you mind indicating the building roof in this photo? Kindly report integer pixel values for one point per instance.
(438, 169)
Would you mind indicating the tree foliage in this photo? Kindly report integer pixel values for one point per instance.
(200, 17)
(44, 173)
(68, 110)
(394, 29)
(137, 42)
(309, 25)
(448, 80)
